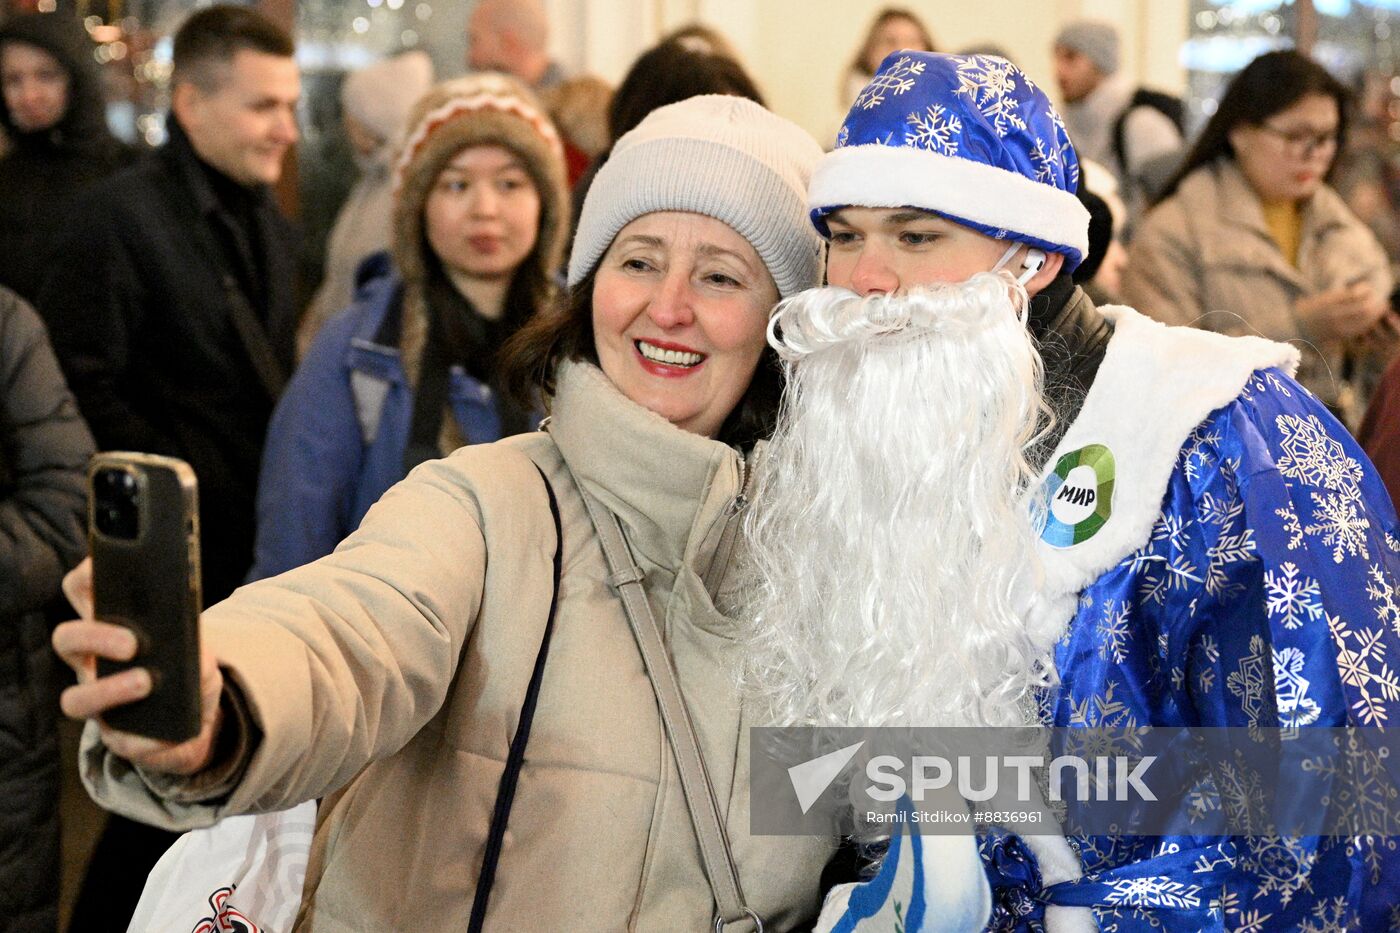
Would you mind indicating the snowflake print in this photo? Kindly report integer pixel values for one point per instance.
(935, 129)
(1154, 893)
(1340, 525)
(1386, 596)
(1113, 631)
(1207, 654)
(1361, 663)
(1291, 524)
(1241, 793)
(1198, 452)
(1228, 549)
(899, 79)
(1283, 864)
(1161, 576)
(1392, 542)
(1363, 794)
(1220, 511)
(1291, 597)
(1252, 922)
(1102, 711)
(988, 83)
(1174, 529)
(1328, 916)
(1295, 708)
(1205, 863)
(1250, 683)
(1312, 455)
(1264, 382)
(843, 135)
(1047, 158)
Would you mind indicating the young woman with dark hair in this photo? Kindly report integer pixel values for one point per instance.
(1249, 238)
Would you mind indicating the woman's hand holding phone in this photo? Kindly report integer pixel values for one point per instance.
(82, 642)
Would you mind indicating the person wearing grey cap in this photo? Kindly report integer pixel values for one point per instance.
(1108, 119)
(504, 595)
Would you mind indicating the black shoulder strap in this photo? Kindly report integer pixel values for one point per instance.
(255, 339)
(505, 794)
(1168, 105)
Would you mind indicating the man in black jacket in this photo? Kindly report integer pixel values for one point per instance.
(173, 309)
(173, 314)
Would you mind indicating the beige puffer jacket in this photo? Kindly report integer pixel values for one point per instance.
(389, 677)
(1204, 258)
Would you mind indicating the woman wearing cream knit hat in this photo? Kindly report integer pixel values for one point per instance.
(461, 681)
(408, 372)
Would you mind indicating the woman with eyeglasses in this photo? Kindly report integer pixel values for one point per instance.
(1248, 238)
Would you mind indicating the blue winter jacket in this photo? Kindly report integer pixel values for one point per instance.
(337, 438)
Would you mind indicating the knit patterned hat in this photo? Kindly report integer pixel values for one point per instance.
(968, 137)
(478, 110)
(721, 156)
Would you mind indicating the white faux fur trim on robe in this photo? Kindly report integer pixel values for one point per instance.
(1156, 384)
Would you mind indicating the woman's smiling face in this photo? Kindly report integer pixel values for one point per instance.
(680, 316)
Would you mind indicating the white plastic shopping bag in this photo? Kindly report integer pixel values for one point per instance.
(242, 875)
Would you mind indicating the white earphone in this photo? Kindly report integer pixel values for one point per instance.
(1033, 263)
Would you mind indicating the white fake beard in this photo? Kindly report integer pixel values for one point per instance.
(892, 533)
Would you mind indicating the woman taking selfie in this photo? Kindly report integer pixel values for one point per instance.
(1249, 238)
(409, 371)
(400, 677)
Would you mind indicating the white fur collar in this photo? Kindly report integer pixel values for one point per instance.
(1155, 385)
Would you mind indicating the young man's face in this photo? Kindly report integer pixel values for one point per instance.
(1076, 75)
(245, 125)
(880, 250)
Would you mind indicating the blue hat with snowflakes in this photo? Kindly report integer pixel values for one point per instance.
(968, 137)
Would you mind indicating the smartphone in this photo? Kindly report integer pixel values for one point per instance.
(143, 534)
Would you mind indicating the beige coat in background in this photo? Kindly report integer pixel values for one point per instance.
(388, 677)
(1204, 257)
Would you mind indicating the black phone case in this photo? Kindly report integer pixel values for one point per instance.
(151, 584)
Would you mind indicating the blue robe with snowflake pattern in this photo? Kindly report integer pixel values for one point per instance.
(1264, 592)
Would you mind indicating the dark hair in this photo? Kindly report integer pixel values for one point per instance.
(211, 37)
(529, 363)
(1270, 84)
(881, 18)
(698, 37)
(668, 73)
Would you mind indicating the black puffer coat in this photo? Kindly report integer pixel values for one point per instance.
(44, 449)
(44, 170)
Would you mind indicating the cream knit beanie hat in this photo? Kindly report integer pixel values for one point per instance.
(721, 156)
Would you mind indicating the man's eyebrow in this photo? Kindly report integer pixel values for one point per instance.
(912, 215)
(906, 216)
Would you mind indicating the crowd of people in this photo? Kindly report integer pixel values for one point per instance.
(624, 421)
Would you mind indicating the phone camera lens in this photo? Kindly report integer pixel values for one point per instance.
(116, 510)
